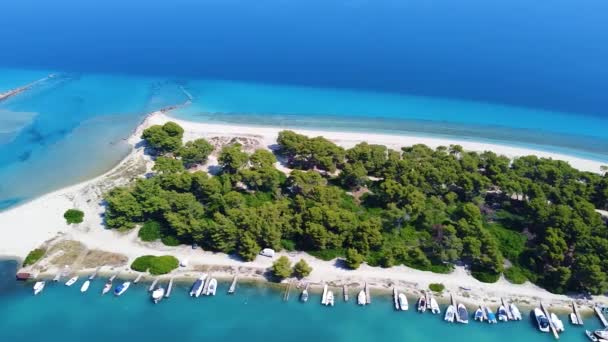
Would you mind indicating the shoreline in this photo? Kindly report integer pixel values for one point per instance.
(41, 220)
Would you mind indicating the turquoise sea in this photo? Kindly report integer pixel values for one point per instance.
(254, 313)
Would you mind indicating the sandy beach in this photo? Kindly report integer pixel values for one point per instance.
(41, 220)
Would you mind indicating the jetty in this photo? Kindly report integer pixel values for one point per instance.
(151, 288)
(577, 314)
(113, 277)
(232, 288)
(94, 275)
(600, 315)
(287, 291)
(395, 298)
(345, 292)
(324, 296)
(551, 325)
(507, 309)
(139, 276)
(368, 297)
(169, 287)
(11, 93)
(206, 285)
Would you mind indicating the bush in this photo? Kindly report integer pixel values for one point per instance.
(150, 231)
(288, 245)
(73, 216)
(327, 254)
(281, 268)
(515, 275)
(33, 256)
(170, 240)
(486, 277)
(301, 269)
(155, 264)
(511, 243)
(353, 258)
(436, 287)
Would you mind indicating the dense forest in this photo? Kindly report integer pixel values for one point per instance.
(529, 218)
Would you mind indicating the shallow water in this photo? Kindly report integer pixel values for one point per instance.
(255, 312)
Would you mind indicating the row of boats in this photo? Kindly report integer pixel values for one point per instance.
(203, 285)
(457, 312)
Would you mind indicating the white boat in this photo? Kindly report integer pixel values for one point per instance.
(361, 298)
(590, 335)
(402, 302)
(330, 298)
(38, 287)
(422, 304)
(515, 312)
(601, 334)
(490, 316)
(304, 295)
(478, 315)
(502, 314)
(541, 320)
(462, 315)
(197, 287)
(122, 288)
(184, 263)
(107, 287)
(71, 281)
(450, 314)
(158, 294)
(557, 323)
(434, 306)
(573, 318)
(212, 287)
(324, 295)
(85, 286)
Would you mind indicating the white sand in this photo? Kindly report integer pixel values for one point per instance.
(29, 225)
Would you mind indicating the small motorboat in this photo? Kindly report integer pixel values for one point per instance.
(107, 287)
(591, 336)
(304, 295)
(490, 316)
(541, 320)
(573, 318)
(330, 298)
(515, 312)
(197, 287)
(362, 298)
(422, 304)
(462, 315)
(85, 286)
(478, 315)
(38, 287)
(212, 287)
(602, 334)
(557, 323)
(502, 314)
(122, 288)
(72, 280)
(403, 305)
(434, 306)
(450, 314)
(158, 294)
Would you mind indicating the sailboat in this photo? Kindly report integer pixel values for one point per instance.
(38, 287)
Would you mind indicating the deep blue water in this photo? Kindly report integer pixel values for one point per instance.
(254, 313)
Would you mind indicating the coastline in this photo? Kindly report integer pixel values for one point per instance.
(41, 220)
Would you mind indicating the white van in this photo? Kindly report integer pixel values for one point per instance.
(267, 252)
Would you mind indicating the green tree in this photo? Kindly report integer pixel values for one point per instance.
(166, 138)
(301, 269)
(353, 258)
(166, 165)
(232, 159)
(195, 152)
(73, 216)
(281, 268)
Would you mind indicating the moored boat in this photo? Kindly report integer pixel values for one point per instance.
(450, 314)
(434, 306)
(211, 289)
(330, 298)
(304, 295)
(591, 336)
(462, 315)
(422, 304)
(502, 314)
(107, 287)
(541, 320)
(361, 298)
(197, 287)
(38, 287)
(601, 334)
(515, 312)
(403, 305)
(557, 323)
(122, 288)
(85, 286)
(71, 281)
(490, 316)
(158, 294)
(478, 315)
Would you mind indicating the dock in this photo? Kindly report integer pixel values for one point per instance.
(324, 296)
(507, 309)
(151, 288)
(551, 325)
(139, 276)
(113, 277)
(206, 285)
(395, 298)
(368, 297)
(94, 275)
(600, 315)
(287, 291)
(169, 287)
(345, 292)
(453, 301)
(232, 288)
(579, 318)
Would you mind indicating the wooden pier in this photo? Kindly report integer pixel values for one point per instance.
(113, 277)
(345, 292)
(232, 288)
(206, 285)
(368, 297)
(94, 275)
(287, 291)
(507, 309)
(551, 325)
(600, 315)
(139, 276)
(324, 296)
(395, 298)
(151, 288)
(579, 318)
(169, 287)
